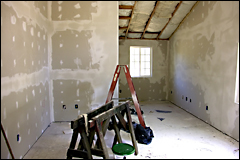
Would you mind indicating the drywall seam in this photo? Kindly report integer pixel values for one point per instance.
(98, 50)
(37, 19)
(210, 31)
(23, 81)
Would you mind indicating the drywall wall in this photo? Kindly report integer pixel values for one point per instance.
(25, 109)
(202, 64)
(83, 55)
(150, 88)
(53, 53)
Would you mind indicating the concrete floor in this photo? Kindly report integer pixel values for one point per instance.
(179, 136)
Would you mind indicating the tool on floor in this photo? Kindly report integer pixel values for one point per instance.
(131, 87)
(97, 123)
(7, 142)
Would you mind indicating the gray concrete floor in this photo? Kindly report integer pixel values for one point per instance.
(179, 136)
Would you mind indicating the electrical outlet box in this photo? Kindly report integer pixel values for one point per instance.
(64, 106)
(76, 106)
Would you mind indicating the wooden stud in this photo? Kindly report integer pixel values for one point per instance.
(157, 3)
(124, 17)
(85, 143)
(101, 138)
(116, 129)
(123, 28)
(73, 142)
(176, 8)
(130, 19)
(131, 128)
(76, 153)
(125, 7)
(184, 19)
(121, 119)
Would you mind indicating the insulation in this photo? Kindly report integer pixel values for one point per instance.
(121, 32)
(150, 35)
(134, 35)
(125, 12)
(182, 11)
(123, 22)
(168, 31)
(165, 9)
(127, 3)
(161, 16)
(157, 24)
(142, 11)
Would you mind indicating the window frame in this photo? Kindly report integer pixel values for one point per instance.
(151, 61)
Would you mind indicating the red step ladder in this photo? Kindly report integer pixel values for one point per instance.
(131, 87)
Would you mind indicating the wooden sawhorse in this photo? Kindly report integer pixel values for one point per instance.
(98, 122)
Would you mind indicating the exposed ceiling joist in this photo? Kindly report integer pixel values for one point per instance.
(145, 32)
(123, 27)
(184, 18)
(152, 20)
(144, 38)
(130, 20)
(124, 17)
(157, 2)
(125, 7)
(176, 8)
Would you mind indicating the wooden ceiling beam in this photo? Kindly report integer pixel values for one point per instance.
(139, 32)
(123, 27)
(124, 17)
(125, 7)
(157, 3)
(121, 37)
(184, 19)
(176, 8)
(130, 19)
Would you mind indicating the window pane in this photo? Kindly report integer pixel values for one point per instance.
(147, 72)
(148, 57)
(147, 65)
(136, 57)
(140, 61)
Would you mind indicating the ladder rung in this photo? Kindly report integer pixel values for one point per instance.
(121, 98)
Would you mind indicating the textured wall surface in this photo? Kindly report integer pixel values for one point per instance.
(53, 54)
(83, 55)
(150, 88)
(203, 59)
(25, 109)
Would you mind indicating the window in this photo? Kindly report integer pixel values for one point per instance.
(140, 61)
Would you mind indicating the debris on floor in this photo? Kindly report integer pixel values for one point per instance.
(132, 111)
(161, 118)
(151, 112)
(143, 135)
(163, 111)
(69, 131)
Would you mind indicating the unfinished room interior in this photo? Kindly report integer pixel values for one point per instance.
(120, 79)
